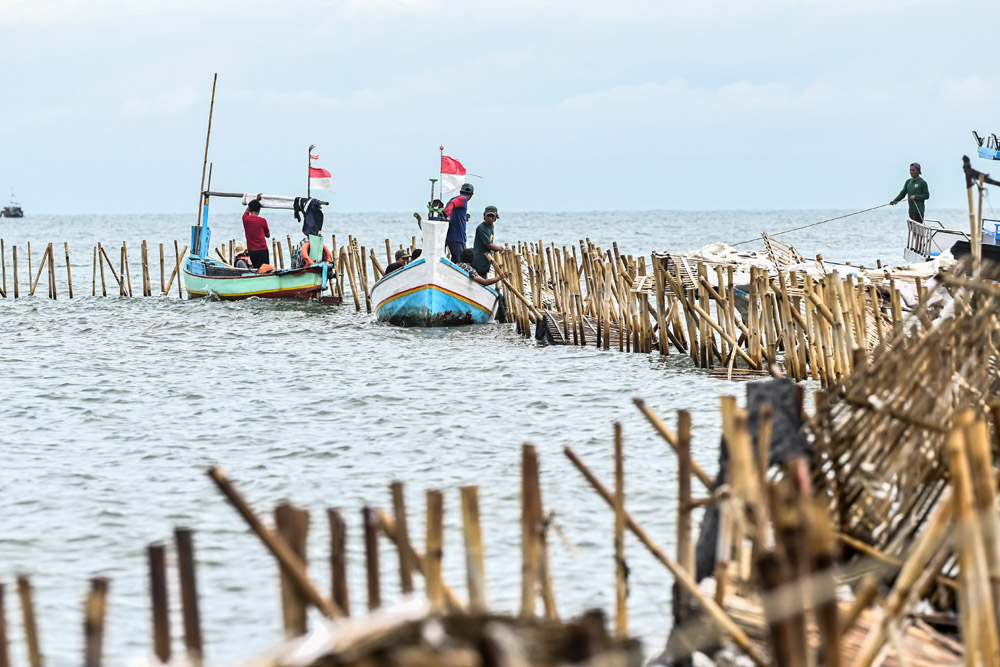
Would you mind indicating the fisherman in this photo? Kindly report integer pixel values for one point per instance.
(457, 212)
(484, 241)
(916, 192)
(257, 231)
(402, 259)
(466, 265)
(241, 258)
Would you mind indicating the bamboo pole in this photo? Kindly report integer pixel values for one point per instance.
(29, 264)
(340, 594)
(529, 531)
(100, 259)
(146, 290)
(4, 652)
(292, 526)
(160, 605)
(126, 273)
(52, 272)
(621, 568)
(69, 275)
(184, 543)
(372, 559)
(3, 269)
(475, 567)
(291, 562)
(14, 262)
(435, 534)
(111, 267)
(715, 612)
(95, 609)
(403, 533)
(163, 268)
(685, 547)
(24, 592)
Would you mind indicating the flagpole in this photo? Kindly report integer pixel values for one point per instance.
(440, 176)
(309, 171)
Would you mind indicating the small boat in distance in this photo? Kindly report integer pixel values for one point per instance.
(12, 210)
(433, 291)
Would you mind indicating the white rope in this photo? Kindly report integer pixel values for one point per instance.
(813, 224)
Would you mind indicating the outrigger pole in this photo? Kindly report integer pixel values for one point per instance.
(203, 204)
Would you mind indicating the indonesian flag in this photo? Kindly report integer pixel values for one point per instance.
(320, 179)
(452, 177)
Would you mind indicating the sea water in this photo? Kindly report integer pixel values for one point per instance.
(114, 408)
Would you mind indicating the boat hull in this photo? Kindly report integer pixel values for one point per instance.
(300, 284)
(433, 293)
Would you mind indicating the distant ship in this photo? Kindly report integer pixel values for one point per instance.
(12, 210)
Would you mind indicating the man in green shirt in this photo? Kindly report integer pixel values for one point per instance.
(916, 192)
(484, 242)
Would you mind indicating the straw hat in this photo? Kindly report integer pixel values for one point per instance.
(239, 249)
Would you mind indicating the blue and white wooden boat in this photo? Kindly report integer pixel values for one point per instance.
(433, 291)
(205, 275)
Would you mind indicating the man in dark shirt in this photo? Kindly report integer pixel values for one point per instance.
(484, 242)
(402, 259)
(457, 212)
(916, 192)
(257, 232)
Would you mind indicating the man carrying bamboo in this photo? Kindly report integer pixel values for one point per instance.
(916, 192)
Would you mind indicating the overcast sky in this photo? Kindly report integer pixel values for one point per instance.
(559, 106)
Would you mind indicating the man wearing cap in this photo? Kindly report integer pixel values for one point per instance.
(457, 212)
(402, 259)
(484, 241)
(916, 192)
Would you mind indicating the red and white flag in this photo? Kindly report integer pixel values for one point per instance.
(319, 179)
(452, 177)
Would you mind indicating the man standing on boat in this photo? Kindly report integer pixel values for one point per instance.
(483, 242)
(457, 212)
(257, 233)
(915, 191)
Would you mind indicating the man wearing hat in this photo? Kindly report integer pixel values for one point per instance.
(916, 192)
(484, 241)
(402, 259)
(457, 212)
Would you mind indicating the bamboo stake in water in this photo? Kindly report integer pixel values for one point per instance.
(69, 276)
(160, 604)
(52, 272)
(292, 525)
(41, 265)
(685, 551)
(621, 569)
(29, 265)
(475, 566)
(94, 612)
(184, 542)
(432, 570)
(338, 564)
(125, 269)
(3, 266)
(4, 654)
(529, 530)
(100, 260)
(403, 534)
(372, 558)
(163, 268)
(24, 592)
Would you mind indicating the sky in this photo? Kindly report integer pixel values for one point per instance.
(565, 105)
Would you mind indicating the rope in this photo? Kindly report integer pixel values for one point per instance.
(813, 224)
